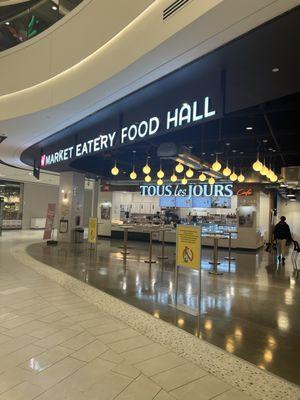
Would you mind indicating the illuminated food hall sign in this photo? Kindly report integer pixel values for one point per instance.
(187, 114)
(217, 190)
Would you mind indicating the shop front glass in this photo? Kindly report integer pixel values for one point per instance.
(12, 194)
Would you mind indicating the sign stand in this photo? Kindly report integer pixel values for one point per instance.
(188, 254)
(92, 233)
(125, 251)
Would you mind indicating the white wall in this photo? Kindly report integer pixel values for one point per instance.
(264, 214)
(291, 210)
(35, 201)
(36, 198)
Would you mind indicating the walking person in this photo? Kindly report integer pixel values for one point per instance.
(282, 235)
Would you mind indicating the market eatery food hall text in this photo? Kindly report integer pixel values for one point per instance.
(185, 115)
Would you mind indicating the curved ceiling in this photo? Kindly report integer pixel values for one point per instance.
(225, 21)
(11, 2)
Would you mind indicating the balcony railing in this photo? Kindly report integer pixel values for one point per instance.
(23, 21)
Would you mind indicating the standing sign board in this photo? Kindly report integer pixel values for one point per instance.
(92, 235)
(188, 255)
(49, 221)
(188, 246)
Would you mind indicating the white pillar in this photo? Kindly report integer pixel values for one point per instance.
(95, 198)
(70, 203)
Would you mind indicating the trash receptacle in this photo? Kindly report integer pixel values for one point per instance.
(79, 235)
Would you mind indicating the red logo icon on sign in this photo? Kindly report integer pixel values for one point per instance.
(43, 160)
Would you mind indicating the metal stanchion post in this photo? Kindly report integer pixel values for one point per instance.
(150, 261)
(125, 251)
(215, 261)
(176, 285)
(163, 257)
(229, 258)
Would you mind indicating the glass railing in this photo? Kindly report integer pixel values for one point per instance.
(23, 21)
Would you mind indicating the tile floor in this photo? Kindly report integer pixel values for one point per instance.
(54, 345)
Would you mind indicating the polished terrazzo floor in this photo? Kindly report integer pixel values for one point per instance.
(251, 311)
(55, 345)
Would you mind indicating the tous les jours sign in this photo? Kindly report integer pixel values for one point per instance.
(217, 190)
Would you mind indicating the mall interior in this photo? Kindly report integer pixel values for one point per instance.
(148, 152)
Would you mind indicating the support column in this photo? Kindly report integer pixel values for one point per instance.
(95, 198)
(70, 204)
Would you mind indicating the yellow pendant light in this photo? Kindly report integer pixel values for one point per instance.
(241, 178)
(179, 168)
(274, 178)
(133, 175)
(189, 173)
(211, 180)
(264, 170)
(115, 170)
(216, 165)
(226, 170)
(202, 177)
(257, 165)
(160, 174)
(184, 181)
(147, 178)
(160, 182)
(173, 177)
(147, 168)
(233, 177)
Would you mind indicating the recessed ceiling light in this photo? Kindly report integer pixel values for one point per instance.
(7, 23)
(203, 154)
(293, 200)
(54, 8)
(265, 141)
(290, 195)
(270, 149)
(234, 151)
(249, 128)
(212, 154)
(275, 69)
(241, 152)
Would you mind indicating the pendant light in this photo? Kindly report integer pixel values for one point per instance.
(179, 168)
(202, 177)
(147, 178)
(241, 178)
(184, 181)
(160, 182)
(216, 165)
(115, 170)
(226, 170)
(133, 174)
(147, 168)
(233, 177)
(264, 170)
(173, 177)
(211, 180)
(160, 173)
(189, 173)
(274, 178)
(257, 165)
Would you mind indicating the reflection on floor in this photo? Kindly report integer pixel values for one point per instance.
(252, 310)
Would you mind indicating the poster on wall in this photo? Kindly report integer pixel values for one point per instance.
(105, 211)
(246, 217)
(49, 221)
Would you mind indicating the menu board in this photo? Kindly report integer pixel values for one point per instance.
(167, 201)
(220, 202)
(183, 202)
(201, 202)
